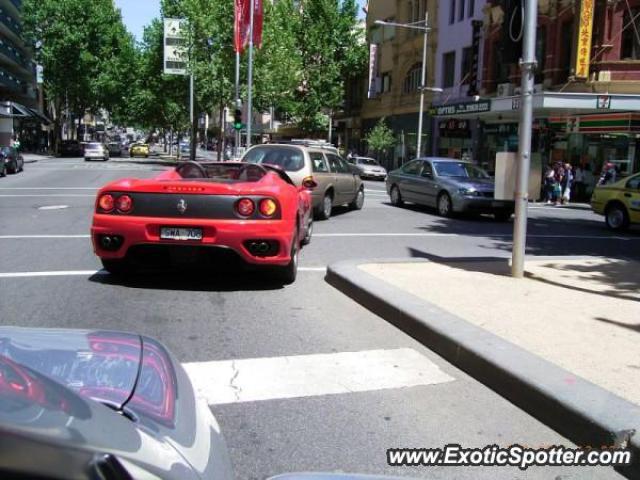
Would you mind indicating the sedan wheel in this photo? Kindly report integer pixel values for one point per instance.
(396, 198)
(3, 172)
(444, 205)
(616, 218)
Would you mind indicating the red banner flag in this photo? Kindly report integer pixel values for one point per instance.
(241, 24)
(258, 17)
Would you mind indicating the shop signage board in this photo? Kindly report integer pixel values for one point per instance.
(476, 37)
(585, 30)
(462, 108)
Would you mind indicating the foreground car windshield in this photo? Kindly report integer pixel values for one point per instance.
(287, 158)
(461, 169)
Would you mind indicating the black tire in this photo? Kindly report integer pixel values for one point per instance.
(325, 208)
(396, 196)
(3, 171)
(115, 267)
(309, 233)
(443, 205)
(14, 169)
(502, 216)
(616, 217)
(358, 202)
(288, 273)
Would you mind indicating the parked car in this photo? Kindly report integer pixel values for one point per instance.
(96, 151)
(115, 149)
(139, 150)
(369, 168)
(101, 404)
(619, 202)
(214, 211)
(11, 161)
(449, 185)
(70, 148)
(338, 182)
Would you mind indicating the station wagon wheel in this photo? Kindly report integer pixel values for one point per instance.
(358, 201)
(444, 205)
(396, 197)
(324, 212)
(616, 217)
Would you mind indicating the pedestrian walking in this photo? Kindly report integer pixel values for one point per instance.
(567, 180)
(549, 184)
(609, 174)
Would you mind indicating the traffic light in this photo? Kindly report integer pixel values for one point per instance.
(237, 119)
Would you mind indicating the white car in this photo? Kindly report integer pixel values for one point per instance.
(369, 168)
(96, 151)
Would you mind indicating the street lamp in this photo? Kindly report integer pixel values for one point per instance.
(422, 26)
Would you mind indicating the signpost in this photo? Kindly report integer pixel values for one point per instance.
(583, 56)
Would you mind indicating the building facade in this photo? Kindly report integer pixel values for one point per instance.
(459, 74)
(392, 88)
(588, 54)
(20, 100)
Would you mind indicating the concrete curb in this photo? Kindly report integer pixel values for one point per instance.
(576, 408)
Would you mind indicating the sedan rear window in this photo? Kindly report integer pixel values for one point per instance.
(288, 158)
(93, 146)
(367, 161)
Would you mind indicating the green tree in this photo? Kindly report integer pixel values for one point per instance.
(85, 52)
(381, 137)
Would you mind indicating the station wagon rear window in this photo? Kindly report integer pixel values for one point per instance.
(290, 159)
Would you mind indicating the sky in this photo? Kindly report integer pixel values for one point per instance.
(139, 13)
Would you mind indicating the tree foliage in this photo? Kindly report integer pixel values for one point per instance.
(86, 53)
(381, 136)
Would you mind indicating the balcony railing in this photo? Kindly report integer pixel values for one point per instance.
(12, 82)
(7, 49)
(10, 22)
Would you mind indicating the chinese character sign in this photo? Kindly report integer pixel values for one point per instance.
(583, 52)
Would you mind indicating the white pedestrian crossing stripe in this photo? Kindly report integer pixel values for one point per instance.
(260, 379)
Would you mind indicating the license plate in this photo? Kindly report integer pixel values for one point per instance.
(180, 233)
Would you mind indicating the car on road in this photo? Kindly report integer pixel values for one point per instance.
(338, 182)
(10, 161)
(369, 168)
(96, 151)
(115, 149)
(139, 150)
(619, 202)
(205, 214)
(92, 404)
(70, 148)
(449, 185)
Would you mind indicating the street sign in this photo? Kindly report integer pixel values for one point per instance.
(175, 48)
(462, 108)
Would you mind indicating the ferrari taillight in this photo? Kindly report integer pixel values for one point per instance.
(267, 207)
(106, 202)
(245, 207)
(124, 204)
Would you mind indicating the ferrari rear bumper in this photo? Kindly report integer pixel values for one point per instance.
(257, 242)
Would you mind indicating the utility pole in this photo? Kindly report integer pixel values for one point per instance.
(237, 102)
(194, 124)
(528, 65)
(423, 82)
(250, 75)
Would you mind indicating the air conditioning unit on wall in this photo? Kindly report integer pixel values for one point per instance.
(504, 90)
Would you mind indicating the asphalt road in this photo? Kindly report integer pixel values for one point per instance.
(299, 419)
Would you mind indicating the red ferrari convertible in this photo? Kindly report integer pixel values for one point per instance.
(203, 213)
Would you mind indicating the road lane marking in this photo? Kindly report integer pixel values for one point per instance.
(261, 379)
(68, 273)
(80, 273)
(49, 188)
(48, 195)
(53, 207)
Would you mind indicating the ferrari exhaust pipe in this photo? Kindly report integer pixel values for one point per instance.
(106, 242)
(263, 247)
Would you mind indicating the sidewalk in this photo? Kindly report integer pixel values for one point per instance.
(563, 343)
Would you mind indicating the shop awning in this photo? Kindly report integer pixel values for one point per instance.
(16, 110)
(545, 105)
